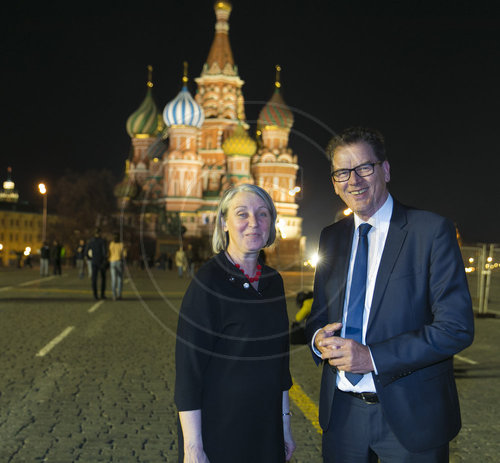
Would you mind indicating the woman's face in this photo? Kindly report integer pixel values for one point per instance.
(248, 222)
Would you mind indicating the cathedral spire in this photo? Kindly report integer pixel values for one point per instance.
(150, 76)
(277, 83)
(185, 78)
(220, 57)
(276, 113)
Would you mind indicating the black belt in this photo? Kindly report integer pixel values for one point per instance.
(367, 397)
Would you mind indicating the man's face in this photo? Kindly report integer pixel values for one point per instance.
(363, 195)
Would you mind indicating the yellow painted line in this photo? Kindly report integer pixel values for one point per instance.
(306, 405)
(466, 360)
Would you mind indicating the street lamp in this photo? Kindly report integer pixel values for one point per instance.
(43, 191)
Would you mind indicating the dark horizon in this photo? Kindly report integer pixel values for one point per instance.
(426, 78)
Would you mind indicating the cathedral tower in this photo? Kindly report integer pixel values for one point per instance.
(219, 94)
(239, 148)
(143, 126)
(182, 172)
(274, 166)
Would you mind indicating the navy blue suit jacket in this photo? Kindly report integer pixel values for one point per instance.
(421, 315)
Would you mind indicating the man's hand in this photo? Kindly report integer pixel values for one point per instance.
(323, 338)
(343, 354)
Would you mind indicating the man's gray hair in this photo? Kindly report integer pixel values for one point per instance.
(220, 239)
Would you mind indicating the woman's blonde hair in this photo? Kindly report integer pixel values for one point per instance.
(220, 239)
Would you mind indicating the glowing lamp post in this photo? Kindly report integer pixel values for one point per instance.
(347, 211)
(43, 191)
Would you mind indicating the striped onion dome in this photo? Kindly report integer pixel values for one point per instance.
(239, 143)
(183, 110)
(145, 120)
(275, 113)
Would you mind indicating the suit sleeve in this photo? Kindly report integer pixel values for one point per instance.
(196, 336)
(438, 306)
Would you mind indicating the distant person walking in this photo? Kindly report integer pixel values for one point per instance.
(190, 260)
(55, 257)
(117, 254)
(44, 259)
(88, 260)
(27, 261)
(180, 261)
(97, 251)
(80, 258)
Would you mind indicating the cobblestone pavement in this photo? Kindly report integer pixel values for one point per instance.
(104, 392)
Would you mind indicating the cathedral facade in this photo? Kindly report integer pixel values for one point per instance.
(184, 157)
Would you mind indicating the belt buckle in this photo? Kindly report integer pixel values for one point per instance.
(369, 398)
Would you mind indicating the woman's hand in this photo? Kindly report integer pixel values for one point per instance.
(289, 442)
(195, 454)
(287, 427)
(193, 442)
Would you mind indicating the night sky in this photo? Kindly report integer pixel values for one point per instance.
(426, 75)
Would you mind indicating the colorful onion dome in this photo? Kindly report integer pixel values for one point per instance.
(239, 143)
(276, 113)
(183, 110)
(145, 120)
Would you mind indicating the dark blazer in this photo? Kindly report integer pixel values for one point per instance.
(421, 315)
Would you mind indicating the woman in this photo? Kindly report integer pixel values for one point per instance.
(232, 352)
(117, 253)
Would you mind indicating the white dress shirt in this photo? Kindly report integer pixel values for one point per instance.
(377, 235)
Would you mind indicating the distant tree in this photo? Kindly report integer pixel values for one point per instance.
(81, 200)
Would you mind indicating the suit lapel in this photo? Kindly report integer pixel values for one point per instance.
(393, 244)
(339, 253)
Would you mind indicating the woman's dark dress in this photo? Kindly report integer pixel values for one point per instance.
(232, 362)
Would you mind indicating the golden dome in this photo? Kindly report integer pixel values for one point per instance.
(239, 143)
(222, 5)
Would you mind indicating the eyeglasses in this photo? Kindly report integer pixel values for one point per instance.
(363, 170)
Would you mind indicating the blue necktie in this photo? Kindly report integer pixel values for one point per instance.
(356, 307)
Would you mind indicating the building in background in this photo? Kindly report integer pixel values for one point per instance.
(21, 225)
(183, 158)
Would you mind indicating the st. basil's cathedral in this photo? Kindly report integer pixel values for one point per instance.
(184, 157)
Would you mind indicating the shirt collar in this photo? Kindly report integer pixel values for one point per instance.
(383, 215)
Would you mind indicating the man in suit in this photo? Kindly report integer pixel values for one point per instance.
(391, 307)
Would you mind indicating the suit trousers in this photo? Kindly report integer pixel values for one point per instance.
(98, 269)
(359, 433)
